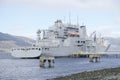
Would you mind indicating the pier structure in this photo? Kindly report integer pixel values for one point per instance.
(78, 54)
(48, 59)
(94, 57)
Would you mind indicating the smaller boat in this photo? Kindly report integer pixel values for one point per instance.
(26, 52)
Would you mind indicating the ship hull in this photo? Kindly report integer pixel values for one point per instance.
(26, 52)
(65, 51)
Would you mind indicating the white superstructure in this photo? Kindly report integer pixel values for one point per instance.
(65, 39)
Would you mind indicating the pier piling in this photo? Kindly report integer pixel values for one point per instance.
(44, 59)
(94, 57)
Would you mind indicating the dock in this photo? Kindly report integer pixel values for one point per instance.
(47, 59)
(94, 57)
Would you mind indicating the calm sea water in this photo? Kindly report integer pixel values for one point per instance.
(28, 69)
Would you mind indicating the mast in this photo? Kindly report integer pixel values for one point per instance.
(38, 35)
(77, 20)
(83, 32)
(69, 18)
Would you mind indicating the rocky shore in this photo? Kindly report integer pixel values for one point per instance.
(105, 74)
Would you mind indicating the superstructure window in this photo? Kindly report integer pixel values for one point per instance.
(82, 41)
(22, 49)
(60, 27)
(78, 41)
(46, 48)
(79, 45)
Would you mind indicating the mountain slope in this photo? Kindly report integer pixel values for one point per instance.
(8, 41)
(115, 43)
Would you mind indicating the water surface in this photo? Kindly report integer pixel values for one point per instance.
(28, 69)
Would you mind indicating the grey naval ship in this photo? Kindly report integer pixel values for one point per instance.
(65, 39)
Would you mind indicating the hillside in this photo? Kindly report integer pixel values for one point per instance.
(9, 41)
(115, 43)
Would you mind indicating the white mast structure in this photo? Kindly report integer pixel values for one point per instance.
(38, 37)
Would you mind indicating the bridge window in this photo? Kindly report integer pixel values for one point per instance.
(82, 41)
(36, 48)
(79, 45)
(32, 48)
(22, 49)
(46, 48)
(78, 41)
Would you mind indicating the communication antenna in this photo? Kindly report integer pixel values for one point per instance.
(83, 24)
(64, 19)
(69, 18)
(77, 20)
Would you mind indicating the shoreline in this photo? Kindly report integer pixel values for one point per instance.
(104, 74)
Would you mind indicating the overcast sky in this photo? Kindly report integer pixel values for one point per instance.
(25, 17)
